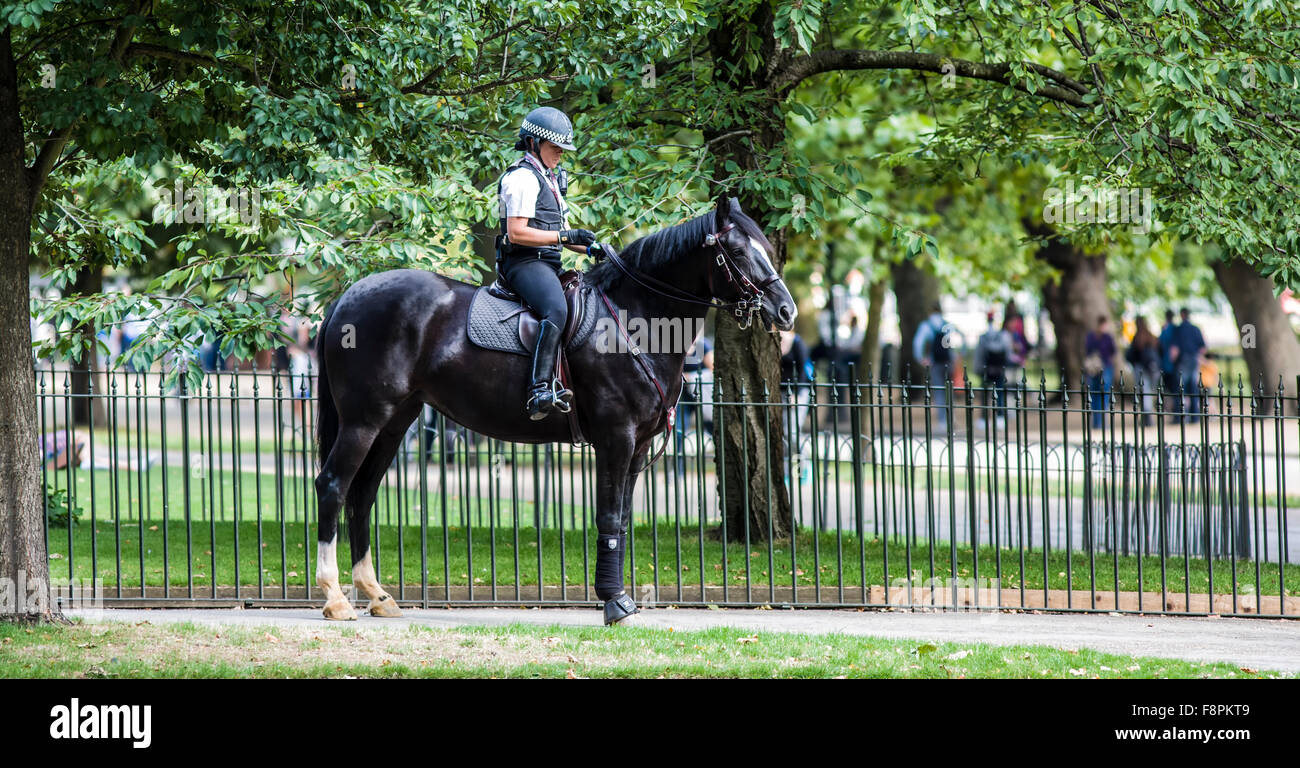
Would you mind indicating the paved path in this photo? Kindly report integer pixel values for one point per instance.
(1255, 643)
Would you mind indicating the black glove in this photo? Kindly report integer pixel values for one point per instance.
(577, 237)
(599, 251)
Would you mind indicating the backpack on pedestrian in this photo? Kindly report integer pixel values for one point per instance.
(996, 354)
(940, 349)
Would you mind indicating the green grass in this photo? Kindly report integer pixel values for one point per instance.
(96, 490)
(249, 441)
(816, 557)
(228, 492)
(217, 487)
(118, 650)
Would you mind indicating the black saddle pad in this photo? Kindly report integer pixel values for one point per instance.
(494, 322)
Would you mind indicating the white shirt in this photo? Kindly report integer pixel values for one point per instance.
(519, 191)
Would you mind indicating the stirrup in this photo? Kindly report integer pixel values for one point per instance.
(561, 397)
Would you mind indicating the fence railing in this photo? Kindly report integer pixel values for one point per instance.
(899, 496)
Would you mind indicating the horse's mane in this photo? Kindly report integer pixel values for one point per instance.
(658, 249)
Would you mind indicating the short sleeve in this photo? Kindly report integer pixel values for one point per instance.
(519, 190)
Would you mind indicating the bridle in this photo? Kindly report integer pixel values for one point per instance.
(750, 302)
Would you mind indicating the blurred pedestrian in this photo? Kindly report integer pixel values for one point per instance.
(1099, 368)
(58, 453)
(1169, 359)
(932, 345)
(1014, 324)
(993, 354)
(697, 373)
(1191, 349)
(1143, 356)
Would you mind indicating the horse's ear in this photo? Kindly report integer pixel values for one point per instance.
(722, 213)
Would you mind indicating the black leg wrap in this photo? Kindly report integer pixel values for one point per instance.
(609, 558)
(619, 608)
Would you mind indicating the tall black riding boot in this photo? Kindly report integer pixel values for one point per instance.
(545, 394)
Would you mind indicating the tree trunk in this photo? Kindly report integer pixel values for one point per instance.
(24, 569)
(750, 446)
(1074, 302)
(1268, 342)
(871, 337)
(916, 291)
(89, 282)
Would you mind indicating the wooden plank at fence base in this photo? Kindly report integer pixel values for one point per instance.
(1060, 599)
(895, 598)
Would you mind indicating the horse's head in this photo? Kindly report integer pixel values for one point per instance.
(742, 270)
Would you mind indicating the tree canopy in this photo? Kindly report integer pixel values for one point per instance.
(370, 132)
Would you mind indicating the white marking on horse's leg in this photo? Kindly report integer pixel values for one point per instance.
(381, 603)
(327, 578)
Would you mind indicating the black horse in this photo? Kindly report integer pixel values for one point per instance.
(397, 340)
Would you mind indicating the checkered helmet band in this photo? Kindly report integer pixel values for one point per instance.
(545, 133)
(549, 124)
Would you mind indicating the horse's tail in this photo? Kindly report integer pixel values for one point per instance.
(327, 416)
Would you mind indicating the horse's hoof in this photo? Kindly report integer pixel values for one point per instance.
(340, 610)
(385, 608)
(619, 608)
(631, 620)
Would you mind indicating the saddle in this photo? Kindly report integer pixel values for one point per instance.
(500, 320)
(570, 282)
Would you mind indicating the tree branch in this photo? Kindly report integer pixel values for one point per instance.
(1067, 90)
(138, 50)
(206, 60)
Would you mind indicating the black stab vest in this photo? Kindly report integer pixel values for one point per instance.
(546, 216)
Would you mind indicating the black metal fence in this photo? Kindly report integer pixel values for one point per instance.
(900, 496)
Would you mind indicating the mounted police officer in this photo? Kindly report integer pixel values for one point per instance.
(534, 226)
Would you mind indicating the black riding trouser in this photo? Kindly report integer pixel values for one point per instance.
(537, 282)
